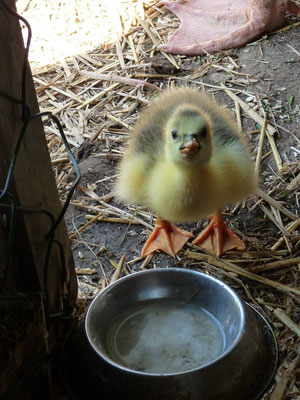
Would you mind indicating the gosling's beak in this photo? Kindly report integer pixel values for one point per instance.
(190, 145)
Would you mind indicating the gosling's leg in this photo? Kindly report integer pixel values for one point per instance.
(217, 238)
(166, 237)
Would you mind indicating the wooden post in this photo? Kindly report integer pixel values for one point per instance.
(23, 332)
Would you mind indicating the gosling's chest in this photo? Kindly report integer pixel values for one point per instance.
(182, 196)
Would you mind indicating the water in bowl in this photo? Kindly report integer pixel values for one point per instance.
(164, 337)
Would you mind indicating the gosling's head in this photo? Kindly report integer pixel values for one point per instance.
(189, 136)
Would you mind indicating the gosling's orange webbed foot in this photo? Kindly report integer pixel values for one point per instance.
(217, 238)
(166, 237)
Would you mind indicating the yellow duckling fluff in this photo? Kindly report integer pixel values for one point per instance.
(185, 159)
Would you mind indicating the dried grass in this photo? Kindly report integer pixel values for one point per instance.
(96, 94)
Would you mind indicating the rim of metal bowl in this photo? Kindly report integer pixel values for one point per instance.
(155, 271)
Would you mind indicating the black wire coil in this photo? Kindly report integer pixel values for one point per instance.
(7, 201)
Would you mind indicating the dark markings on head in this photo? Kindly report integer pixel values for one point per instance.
(188, 113)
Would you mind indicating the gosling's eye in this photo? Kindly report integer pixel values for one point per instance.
(174, 134)
(204, 132)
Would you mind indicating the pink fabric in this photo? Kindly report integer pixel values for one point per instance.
(214, 25)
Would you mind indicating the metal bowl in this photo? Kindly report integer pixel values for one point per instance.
(170, 334)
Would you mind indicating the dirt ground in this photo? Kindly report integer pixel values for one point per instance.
(264, 74)
(273, 66)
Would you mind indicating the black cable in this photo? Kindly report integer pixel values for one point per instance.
(72, 158)
(51, 233)
(10, 208)
(10, 241)
(26, 117)
(13, 211)
(18, 144)
(25, 61)
(31, 210)
(17, 148)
